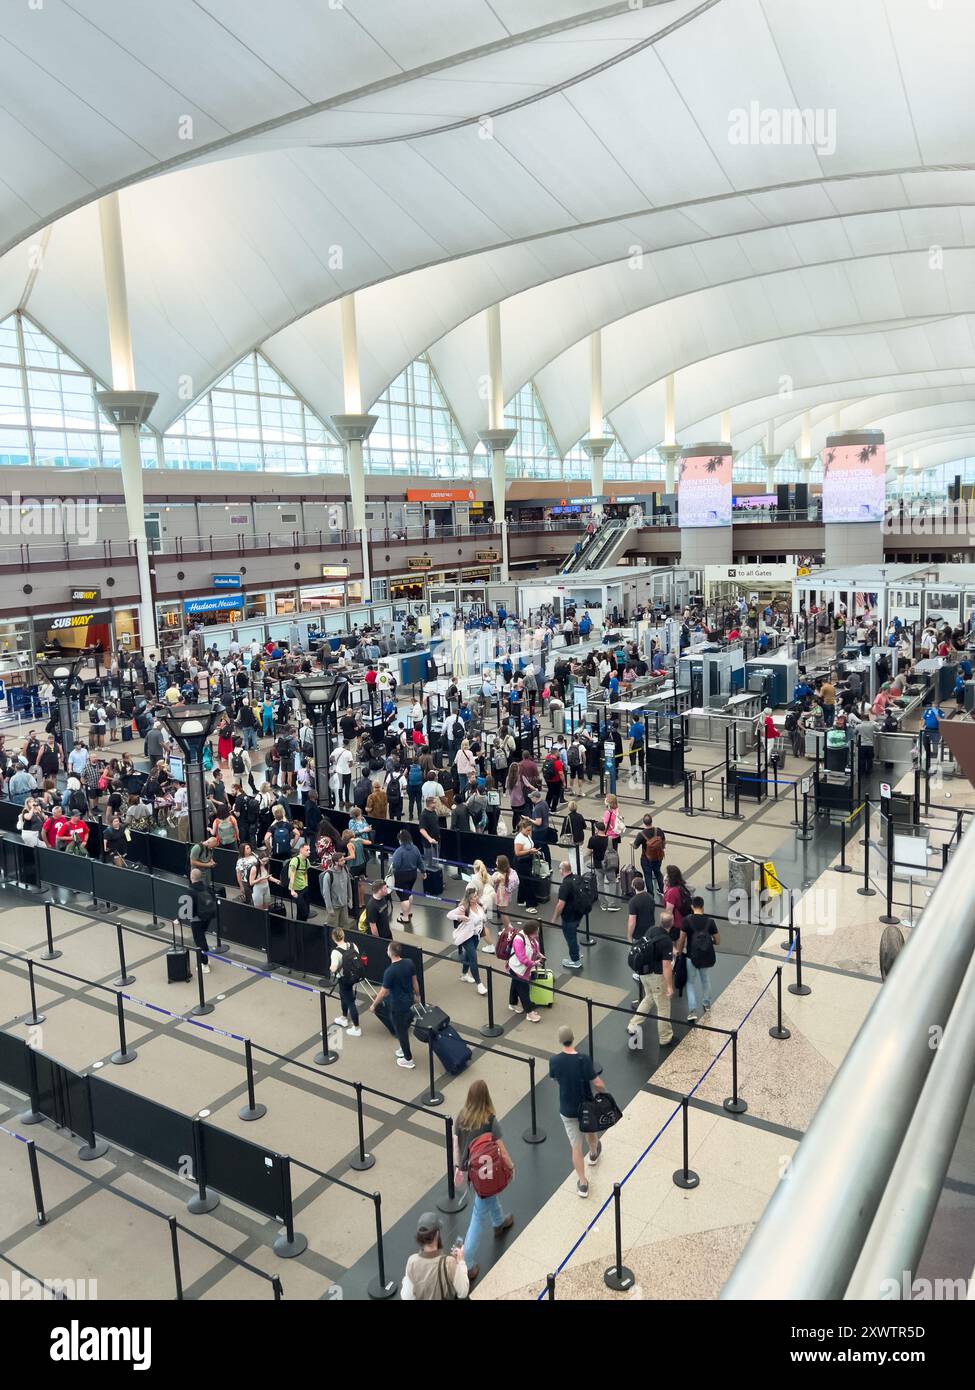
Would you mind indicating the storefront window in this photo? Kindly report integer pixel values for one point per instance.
(255, 605)
(322, 598)
(286, 601)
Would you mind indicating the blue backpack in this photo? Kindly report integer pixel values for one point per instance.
(280, 839)
(415, 776)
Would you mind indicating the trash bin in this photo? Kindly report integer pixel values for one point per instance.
(557, 714)
(741, 883)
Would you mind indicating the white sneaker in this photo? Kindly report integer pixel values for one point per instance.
(402, 1062)
(514, 1009)
(205, 969)
(341, 1021)
(467, 979)
(399, 1052)
(614, 907)
(354, 1033)
(482, 989)
(488, 950)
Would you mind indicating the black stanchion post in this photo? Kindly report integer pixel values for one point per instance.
(204, 1201)
(177, 1273)
(433, 1096)
(380, 1287)
(778, 1032)
(363, 1160)
(276, 1286)
(251, 1111)
(797, 987)
(550, 1287)
(490, 1029)
(618, 1277)
(124, 1053)
(587, 939)
(734, 1103)
(795, 802)
(589, 1026)
(804, 833)
(35, 1017)
(685, 1177)
(453, 1201)
(327, 1056)
(533, 1135)
(287, 1243)
(124, 978)
(50, 953)
(737, 795)
(35, 1179)
(201, 1006)
(843, 867)
(775, 779)
(712, 887)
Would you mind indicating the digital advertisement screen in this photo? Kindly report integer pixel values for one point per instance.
(853, 482)
(704, 490)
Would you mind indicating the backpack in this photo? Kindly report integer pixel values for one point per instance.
(653, 849)
(415, 776)
(237, 762)
(353, 969)
(225, 833)
(549, 771)
(487, 1172)
(584, 893)
(684, 900)
(700, 948)
(280, 839)
(574, 755)
(499, 758)
(281, 745)
(791, 721)
(640, 956)
(505, 943)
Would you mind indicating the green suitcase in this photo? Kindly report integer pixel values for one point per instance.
(542, 989)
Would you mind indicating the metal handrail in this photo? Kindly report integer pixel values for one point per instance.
(816, 1226)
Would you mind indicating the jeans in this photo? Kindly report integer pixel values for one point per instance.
(249, 735)
(570, 930)
(553, 795)
(200, 939)
(413, 793)
(468, 955)
(484, 1208)
(652, 873)
(829, 714)
(698, 976)
(347, 1000)
(636, 754)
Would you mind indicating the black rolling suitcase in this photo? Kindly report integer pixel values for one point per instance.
(178, 960)
(433, 882)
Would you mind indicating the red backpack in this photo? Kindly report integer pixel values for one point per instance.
(487, 1171)
(506, 942)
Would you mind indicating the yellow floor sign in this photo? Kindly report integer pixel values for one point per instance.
(770, 878)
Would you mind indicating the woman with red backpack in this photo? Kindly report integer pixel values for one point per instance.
(677, 896)
(481, 1160)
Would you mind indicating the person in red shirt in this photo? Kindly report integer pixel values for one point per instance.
(73, 832)
(51, 828)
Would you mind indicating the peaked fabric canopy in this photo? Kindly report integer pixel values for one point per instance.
(772, 201)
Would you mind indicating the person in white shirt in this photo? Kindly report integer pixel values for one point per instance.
(416, 714)
(433, 789)
(342, 764)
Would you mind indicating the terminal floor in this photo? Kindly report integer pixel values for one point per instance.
(310, 1116)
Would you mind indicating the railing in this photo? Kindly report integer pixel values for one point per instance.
(844, 1223)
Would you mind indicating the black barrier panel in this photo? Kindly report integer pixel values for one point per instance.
(96, 839)
(65, 870)
(45, 1072)
(310, 948)
(170, 856)
(140, 847)
(76, 1105)
(224, 867)
(141, 1125)
(372, 949)
(243, 925)
(243, 1171)
(279, 946)
(125, 887)
(13, 1062)
(9, 813)
(166, 898)
(11, 859)
(28, 868)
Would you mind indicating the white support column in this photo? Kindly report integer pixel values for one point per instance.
(496, 439)
(127, 408)
(805, 437)
(598, 445)
(726, 426)
(670, 450)
(354, 428)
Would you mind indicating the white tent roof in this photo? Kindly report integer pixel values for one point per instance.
(591, 166)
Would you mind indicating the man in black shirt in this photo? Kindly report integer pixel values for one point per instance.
(378, 910)
(698, 938)
(640, 918)
(349, 726)
(567, 917)
(574, 1073)
(401, 987)
(429, 824)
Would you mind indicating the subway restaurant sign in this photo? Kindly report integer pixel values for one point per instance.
(419, 562)
(76, 620)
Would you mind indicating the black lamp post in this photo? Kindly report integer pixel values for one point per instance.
(320, 695)
(191, 726)
(62, 674)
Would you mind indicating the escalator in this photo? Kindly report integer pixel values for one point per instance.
(600, 550)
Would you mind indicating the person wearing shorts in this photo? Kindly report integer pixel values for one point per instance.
(574, 1074)
(406, 863)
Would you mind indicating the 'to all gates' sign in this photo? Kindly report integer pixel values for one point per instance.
(487, 557)
(419, 562)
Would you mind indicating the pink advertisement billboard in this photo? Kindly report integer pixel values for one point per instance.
(704, 489)
(853, 481)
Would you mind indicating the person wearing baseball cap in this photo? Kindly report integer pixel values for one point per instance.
(435, 1274)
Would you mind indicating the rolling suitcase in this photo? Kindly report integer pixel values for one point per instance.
(449, 1048)
(433, 882)
(178, 960)
(541, 991)
(427, 1019)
